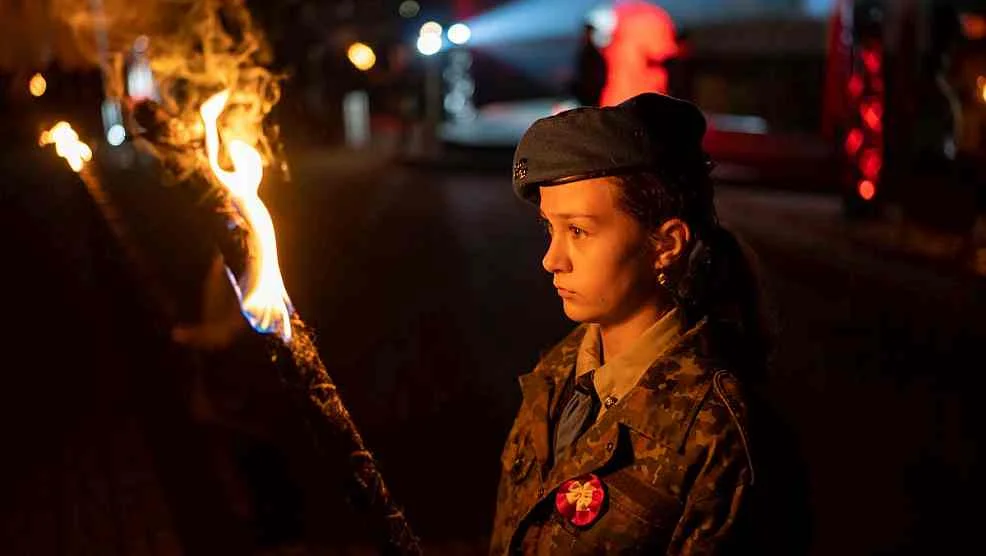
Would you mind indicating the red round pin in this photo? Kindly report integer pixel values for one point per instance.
(580, 500)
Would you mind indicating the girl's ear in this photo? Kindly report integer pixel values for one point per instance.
(670, 241)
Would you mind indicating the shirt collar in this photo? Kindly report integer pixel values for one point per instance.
(618, 375)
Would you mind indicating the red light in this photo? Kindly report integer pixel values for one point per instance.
(872, 113)
(870, 163)
(871, 61)
(854, 140)
(644, 35)
(855, 86)
(866, 190)
(973, 26)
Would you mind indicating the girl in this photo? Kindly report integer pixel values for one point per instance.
(632, 435)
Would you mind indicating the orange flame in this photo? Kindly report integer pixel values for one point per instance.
(67, 145)
(263, 297)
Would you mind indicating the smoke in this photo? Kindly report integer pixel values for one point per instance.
(195, 48)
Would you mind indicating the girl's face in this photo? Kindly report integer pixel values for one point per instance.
(602, 259)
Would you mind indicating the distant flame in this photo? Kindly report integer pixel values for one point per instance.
(263, 298)
(67, 145)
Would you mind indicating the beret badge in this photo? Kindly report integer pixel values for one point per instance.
(520, 170)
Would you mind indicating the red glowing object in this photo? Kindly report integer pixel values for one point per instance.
(872, 61)
(855, 86)
(866, 190)
(870, 163)
(854, 140)
(872, 113)
(643, 40)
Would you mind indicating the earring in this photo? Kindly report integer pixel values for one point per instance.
(662, 279)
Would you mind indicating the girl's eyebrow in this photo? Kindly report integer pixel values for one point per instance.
(569, 216)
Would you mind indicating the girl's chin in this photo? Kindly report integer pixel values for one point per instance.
(576, 312)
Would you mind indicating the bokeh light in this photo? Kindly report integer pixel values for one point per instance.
(116, 135)
(429, 44)
(141, 44)
(38, 85)
(459, 33)
(409, 9)
(431, 28)
(361, 56)
(866, 190)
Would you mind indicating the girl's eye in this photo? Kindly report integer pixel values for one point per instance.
(546, 225)
(576, 231)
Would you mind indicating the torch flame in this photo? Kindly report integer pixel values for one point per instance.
(67, 145)
(263, 297)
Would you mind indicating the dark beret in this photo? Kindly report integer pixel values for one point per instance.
(649, 131)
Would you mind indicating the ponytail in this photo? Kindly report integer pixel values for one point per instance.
(719, 280)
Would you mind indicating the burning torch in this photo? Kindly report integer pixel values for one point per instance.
(249, 250)
(207, 131)
(250, 253)
(252, 267)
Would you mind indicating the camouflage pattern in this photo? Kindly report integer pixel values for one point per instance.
(672, 455)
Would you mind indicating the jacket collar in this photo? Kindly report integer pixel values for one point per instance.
(617, 375)
(672, 375)
(540, 386)
(663, 405)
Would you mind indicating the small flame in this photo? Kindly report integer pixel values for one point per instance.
(263, 297)
(67, 145)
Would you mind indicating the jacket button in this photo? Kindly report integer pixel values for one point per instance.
(610, 446)
(610, 401)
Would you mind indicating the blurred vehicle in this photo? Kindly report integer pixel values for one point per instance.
(759, 79)
(904, 105)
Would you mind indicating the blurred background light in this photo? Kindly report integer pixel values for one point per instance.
(141, 44)
(603, 21)
(140, 80)
(37, 85)
(409, 8)
(459, 33)
(361, 56)
(431, 28)
(429, 44)
(116, 135)
(866, 190)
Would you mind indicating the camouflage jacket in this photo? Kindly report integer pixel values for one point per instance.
(672, 456)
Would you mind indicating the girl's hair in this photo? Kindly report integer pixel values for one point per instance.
(718, 279)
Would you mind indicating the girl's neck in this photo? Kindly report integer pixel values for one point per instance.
(617, 337)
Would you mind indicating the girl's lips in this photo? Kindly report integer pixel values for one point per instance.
(565, 293)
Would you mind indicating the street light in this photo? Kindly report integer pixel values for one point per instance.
(459, 33)
(361, 56)
(429, 44)
(431, 28)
